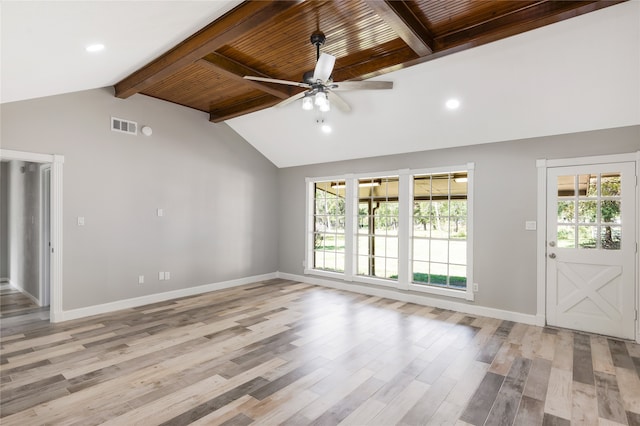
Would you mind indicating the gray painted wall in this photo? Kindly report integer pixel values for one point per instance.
(4, 219)
(505, 179)
(219, 195)
(24, 226)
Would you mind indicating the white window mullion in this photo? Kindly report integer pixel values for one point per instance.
(405, 213)
(470, 183)
(351, 218)
(308, 243)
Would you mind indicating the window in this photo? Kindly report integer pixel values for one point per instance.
(329, 225)
(595, 223)
(408, 229)
(439, 240)
(378, 219)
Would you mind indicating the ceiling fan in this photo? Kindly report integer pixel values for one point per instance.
(320, 86)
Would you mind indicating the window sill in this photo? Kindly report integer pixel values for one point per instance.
(326, 274)
(459, 294)
(376, 281)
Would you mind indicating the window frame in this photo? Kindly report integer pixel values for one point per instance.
(405, 234)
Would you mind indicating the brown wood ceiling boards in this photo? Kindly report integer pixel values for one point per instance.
(368, 38)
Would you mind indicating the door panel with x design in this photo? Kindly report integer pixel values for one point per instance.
(590, 246)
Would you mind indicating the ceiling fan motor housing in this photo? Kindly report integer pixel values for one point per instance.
(318, 38)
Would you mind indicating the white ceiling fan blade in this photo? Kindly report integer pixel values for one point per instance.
(324, 67)
(336, 100)
(274, 80)
(291, 99)
(362, 85)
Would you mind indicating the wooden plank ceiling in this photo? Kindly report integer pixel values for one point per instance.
(368, 38)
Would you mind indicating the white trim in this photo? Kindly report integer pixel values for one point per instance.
(541, 241)
(159, 297)
(405, 221)
(599, 159)
(469, 293)
(33, 157)
(44, 285)
(637, 244)
(350, 226)
(57, 162)
(405, 296)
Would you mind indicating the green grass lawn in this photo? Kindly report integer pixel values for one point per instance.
(420, 277)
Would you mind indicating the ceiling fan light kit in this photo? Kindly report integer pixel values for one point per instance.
(320, 87)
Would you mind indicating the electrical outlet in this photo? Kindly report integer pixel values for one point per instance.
(475, 287)
(140, 279)
(161, 276)
(167, 275)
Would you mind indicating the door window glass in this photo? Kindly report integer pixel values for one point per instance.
(596, 223)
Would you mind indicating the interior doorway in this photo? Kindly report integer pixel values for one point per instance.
(49, 264)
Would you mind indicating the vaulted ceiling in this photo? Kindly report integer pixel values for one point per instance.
(368, 37)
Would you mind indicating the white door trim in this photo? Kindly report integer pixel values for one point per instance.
(57, 162)
(45, 233)
(541, 237)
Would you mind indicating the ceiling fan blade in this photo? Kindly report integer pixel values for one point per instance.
(324, 67)
(336, 100)
(274, 80)
(291, 99)
(362, 85)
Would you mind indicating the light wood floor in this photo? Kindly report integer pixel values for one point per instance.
(281, 352)
(13, 303)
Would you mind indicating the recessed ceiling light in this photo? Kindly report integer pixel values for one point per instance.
(95, 47)
(453, 104)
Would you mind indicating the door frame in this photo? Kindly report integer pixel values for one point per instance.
(541, 216)
(57, 162)
(45, 234)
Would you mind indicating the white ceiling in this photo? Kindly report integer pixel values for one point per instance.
(576, 75)
(43, 42)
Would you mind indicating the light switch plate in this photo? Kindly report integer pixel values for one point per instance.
(530, 225)
(80, 220)
(160, 212)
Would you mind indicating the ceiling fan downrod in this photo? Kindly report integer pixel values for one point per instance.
(317, 39)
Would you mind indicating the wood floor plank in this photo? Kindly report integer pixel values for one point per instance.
(610, 404)
(601, 355)
(558, 401)
(629, 386)
(282, 352)
(538, 379)
(505, 407)
(481, 402)
(530, 411)
(585, 405)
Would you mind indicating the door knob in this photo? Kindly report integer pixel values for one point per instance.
(552, 243)
(552, 255)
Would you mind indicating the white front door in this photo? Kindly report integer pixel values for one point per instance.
(591, 246)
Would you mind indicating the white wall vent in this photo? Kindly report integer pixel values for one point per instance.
(124, 126)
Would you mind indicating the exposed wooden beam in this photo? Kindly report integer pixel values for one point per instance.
(237, 71)
(540, 14)
(251, 105)
(527, 18)
(399, 16)
(248, 16)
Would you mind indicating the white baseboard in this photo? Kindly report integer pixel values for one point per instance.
(4, 280)
(155, 298)
(419, 299)
(23, 291)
